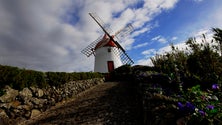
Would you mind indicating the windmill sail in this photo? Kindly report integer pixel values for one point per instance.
(124, 31)
(124, 57)
(105, 27)
(89, 50)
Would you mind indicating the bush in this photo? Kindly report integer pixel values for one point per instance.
(20, 78)
(122, 73)
(7, 75)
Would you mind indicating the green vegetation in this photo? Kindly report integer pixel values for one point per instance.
(198, 70)
(121, 73)
(192, 76)
(20, 78)
(200, 64)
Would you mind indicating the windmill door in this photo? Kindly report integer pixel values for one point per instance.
(110, 66)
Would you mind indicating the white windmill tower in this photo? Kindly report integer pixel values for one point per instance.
(109, 54)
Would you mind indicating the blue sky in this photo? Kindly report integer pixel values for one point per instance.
(49, 35)
(186, 19)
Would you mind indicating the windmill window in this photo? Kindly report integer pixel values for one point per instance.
(109, 50)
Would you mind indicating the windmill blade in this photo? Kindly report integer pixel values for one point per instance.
(123, 56)
(124, 31)
(105, 27)
(89, 50)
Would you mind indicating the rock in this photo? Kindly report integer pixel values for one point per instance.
(35, 112)
(52, 102)
(40, 93)
(25, 93)
(15, 104)
(37, 92)
(17, 112)
(11, 114)
(3, 114)
(5, 105)
(27, 114)
(10, 95)
(4, 119)
(38, 103)
(24, 107)
(32, 101)
(28, 102)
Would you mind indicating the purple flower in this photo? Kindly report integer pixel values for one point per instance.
(210, 107)
(215, 86)
(202, 112)
(180, 105)
(190, 106)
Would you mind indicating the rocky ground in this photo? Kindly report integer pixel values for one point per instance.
(111, 103)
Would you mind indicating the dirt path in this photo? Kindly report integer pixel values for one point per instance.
(111, 103)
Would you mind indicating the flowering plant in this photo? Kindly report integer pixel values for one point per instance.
(201, 106)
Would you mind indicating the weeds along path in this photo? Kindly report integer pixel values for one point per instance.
(112, 103)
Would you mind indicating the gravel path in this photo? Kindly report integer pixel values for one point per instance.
(111, 103)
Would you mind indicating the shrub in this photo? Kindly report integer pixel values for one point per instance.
(20, 78)
(123, 73)
(7, 75)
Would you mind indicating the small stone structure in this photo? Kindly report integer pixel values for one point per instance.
(29, 102)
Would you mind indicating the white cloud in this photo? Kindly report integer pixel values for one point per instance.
(174, 38)
(49, 35)
(145, 61)
(140, 31)
(149, 52)
(156, 38)
(141, 45)
(198, 0)
(182, 45)
(160, 39)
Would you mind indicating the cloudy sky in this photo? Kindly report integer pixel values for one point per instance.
(48, 35)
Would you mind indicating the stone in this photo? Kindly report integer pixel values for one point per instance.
(37, 92)
(38, 103)
(3, 114)
(15, 104)
(40, 93)
(5, 105)
(10, 95)
(4, 119)
(28, 102)
(17, 111)
(24, 107)
(11, 114)
(35, 112)
(27, 114)
(51, 102)
(26, 92)
(32, 101)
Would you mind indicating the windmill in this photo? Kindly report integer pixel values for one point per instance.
(109, 54)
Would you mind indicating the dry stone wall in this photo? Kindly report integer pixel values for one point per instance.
(29, 102)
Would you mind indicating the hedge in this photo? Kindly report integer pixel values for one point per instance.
(20, 78)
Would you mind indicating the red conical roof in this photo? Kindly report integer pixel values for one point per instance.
(105, 42)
